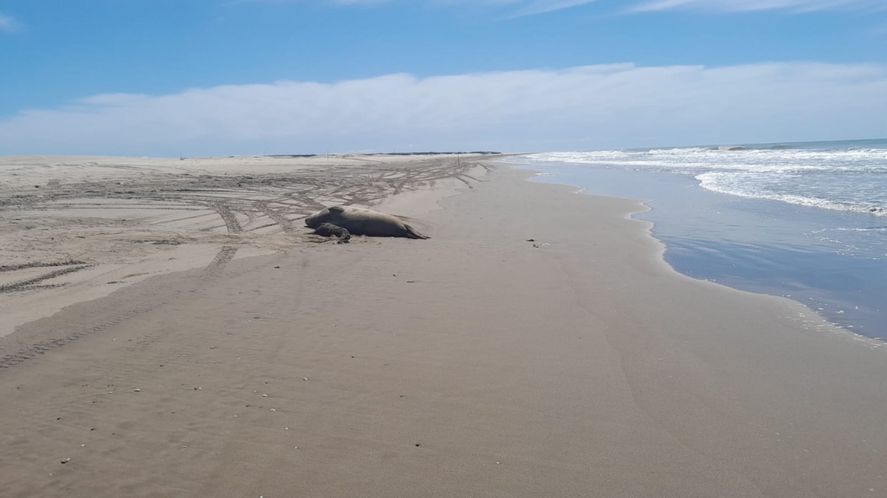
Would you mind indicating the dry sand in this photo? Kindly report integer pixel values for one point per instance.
(477, 363)
(78, 228)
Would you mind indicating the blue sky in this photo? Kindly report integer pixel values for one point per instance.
(211, 76)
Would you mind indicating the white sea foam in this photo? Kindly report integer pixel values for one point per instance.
(718, 182)
(842, 177)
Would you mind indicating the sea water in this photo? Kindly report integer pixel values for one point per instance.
(802, 220)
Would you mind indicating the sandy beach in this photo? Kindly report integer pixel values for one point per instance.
(171, 329)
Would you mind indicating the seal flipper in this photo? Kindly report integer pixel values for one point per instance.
(413, 234)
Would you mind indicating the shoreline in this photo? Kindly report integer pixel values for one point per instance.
(737, 258)
(474, 363)
(643, 208)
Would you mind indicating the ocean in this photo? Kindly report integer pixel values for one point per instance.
(806, 220)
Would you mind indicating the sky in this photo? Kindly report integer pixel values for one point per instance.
(224, 77)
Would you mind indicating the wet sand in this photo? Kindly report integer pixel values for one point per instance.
(477, 363)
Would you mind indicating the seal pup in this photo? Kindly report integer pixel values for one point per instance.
(360, 221)
(329, 230)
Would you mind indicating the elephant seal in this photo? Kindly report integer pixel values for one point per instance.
(359, 221)
(329, 230)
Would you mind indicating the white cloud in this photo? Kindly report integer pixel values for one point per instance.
(517, 8)
(520, 8)
(8, 24)
(544, 6)
(575, 108)
(757, 5)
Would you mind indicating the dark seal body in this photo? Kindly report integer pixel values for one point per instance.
(359, 221)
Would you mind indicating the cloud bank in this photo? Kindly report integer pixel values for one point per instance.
(575, 108)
